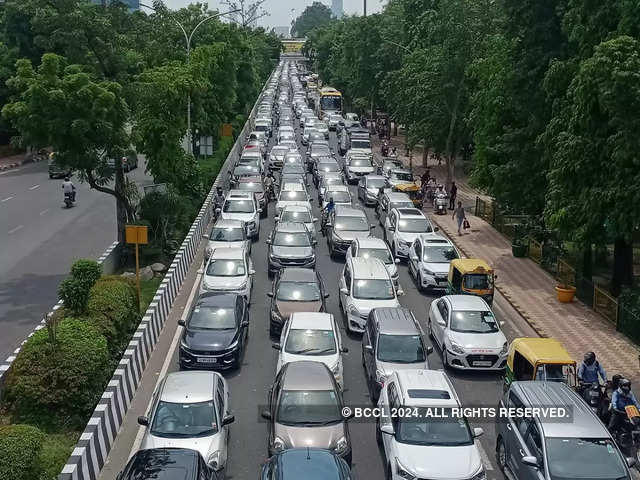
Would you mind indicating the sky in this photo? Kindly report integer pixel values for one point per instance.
(280, 10)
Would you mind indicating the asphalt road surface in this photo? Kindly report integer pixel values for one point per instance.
(40, 239)
(250, 383)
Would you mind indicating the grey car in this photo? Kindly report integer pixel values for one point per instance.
(290, 245)
(305, 404)
(369, 186)
(343, 226)
(392, 340)
(227, 233)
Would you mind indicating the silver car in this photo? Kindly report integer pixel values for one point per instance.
(190, 410)
(369, 186)
(241, 205)
(227, 233)
(300, 214)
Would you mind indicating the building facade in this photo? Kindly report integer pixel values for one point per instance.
(337, 8)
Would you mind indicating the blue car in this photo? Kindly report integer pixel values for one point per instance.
(307, 463)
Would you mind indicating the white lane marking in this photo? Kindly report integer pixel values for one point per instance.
(6, 199)
(44, 211)
(167, 361)
(14, 230)
(483, 455)
(34, 187)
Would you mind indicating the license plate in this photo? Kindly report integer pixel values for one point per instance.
(481, 363)
(207, 360)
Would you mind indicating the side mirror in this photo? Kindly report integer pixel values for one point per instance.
(436, 229)
(144, 421)
(228, 419)
(400, 292)
(268, 242)
(270, 294)
(276, 346)
(266, 414)
(368, 348)
(396, 260)
(244, 324)
(328, 224)
(252, 272)
(631, 462)
(373, 225)
(206, 237)
(200, 271)
(326, 295)
(314, 220)
(259, 210)
(478, 432)
(429, 350)
(218, 210)
(530, 461)
(388, 429)
(392, 229)
(182, 323)
(344, 291)
(344, 350)
(276, 218)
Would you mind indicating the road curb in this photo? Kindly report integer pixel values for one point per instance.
(14, 165)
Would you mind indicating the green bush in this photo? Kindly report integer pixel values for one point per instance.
(74, 290)
(55, 453)
(87, 271)
(20, 447)
(113, 308)
(54, 384)
(629, 313)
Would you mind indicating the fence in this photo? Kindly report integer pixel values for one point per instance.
(485, 210)
(535, 250)
(565, 273)
(605, 304)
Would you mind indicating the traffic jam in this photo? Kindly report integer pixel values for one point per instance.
(335, 332)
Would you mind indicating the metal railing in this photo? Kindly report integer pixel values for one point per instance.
(485, 210)
(605, 304)
(535, 250)
(565, 273)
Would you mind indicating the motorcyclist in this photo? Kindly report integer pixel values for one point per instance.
(622, 397)
(269, 183)
(326, 211)
(440, 191)
(385, 148)
(590, 370)
(69, 188)
(218, 200)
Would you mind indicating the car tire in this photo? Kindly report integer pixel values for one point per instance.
(501, 455)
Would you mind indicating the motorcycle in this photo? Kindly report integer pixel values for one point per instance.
(385, 149)
(440, 204)
(69, 199)
(323, 222)
(595, 395)
(627, 435)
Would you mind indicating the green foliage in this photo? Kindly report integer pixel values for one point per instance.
(87, 271)
(169, 217)
(74, 290)
(56, 449)
(66, 377)
(315, 15)
(20, 447)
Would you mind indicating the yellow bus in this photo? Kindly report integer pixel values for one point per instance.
(330, 102)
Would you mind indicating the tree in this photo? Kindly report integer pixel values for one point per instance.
(314, 16)
(81, 117)
(248, 12)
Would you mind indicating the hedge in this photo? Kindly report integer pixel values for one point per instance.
(20, 447)
(74, 290)
(59, 383)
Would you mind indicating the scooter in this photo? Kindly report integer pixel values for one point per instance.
(441, 204)
(595, 395)
(627, 435)
(69, 199)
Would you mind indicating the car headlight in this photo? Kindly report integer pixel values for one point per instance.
(278, 444)
(342, 445)
(481, 475)
(505, 347)
(214, 459)
(403, 472)
(183, 345)
(426, 271)
(456, 348)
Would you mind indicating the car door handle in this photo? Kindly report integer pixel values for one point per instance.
(522, 454)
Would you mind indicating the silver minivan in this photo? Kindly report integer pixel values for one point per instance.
(548, 448)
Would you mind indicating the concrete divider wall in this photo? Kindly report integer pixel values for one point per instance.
(91, 451)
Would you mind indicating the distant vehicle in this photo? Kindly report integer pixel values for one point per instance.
(55, 169)
(330, 102)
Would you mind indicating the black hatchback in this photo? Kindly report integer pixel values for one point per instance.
(167, 464)
(215, 333)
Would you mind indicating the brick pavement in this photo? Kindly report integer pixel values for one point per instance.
(529, 288)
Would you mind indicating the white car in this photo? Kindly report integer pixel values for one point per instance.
(307, 132)
(357, 166)
(292, 194)
(467, 332)
(190, 410)
(334, 120)
(227, 234)
(416, 446)
(299, 214)
(322, 128)
(276, 156)
(228, 270)
(241, 205)
(373, 247)
(402, 226)
(364, 284)
(339, 193)
(369, 186)
(312, 336)
(429, 259)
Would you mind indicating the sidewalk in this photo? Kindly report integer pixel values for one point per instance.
(14, 161)
(529, 288)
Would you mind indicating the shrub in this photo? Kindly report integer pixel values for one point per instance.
(20, 447)
(74, 290)
(51, 384)
(87, 271)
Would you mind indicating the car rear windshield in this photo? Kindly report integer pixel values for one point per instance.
(373, 290)
(250, 187)
(352, 224)
(313, 407)
(298, 292)
(338, 197)
(376, 183)
(417, 225)
(360, 144)
(238, 206)
(406, 204)
(466, 321)
(293, 196)
(320, 150)
(329, 167)
(404, 176)
(219, 234)
(400, 349)
(184, 420)
(226, 268)
(301, 216)
(584, 459)
(291, 239)
(428, 430)
(310, 342)
(360, 163)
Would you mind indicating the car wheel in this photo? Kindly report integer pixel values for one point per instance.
(501, 455)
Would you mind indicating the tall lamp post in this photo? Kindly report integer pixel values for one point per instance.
(187, 38)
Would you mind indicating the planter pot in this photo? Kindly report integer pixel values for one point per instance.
(519, 250)
(565, 295)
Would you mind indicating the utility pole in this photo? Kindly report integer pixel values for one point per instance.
(365, 8)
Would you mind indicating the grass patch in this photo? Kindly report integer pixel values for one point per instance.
(55, 452)
(147, 291)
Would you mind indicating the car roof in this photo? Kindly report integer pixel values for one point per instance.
(467, 302)
(410, 212)
(583, 424)
(239, 194)
(298, 274)
(434, 239)
(375, 177)
(144, 464)
(425, 388)
(311, 321)
(222, 223)
(347, 211)
(296, 208)
(251, 179)
(227, 253)
(307, 375)
(292, 186)
(290, 227)
(308, 463)
(368, 268)
(188, 387)
(372, 242)
(396, 321)
(337, 188)
(399, 170)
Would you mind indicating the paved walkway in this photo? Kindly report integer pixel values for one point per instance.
(531, 290)
(14, 161)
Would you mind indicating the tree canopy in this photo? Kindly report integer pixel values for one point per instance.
(315, 15)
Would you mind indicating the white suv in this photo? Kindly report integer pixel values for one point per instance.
(402, 226)
(365, 284)
(242, 205)
(417, 446)
(228, 270)
(429, 259)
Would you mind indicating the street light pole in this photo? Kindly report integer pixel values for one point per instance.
(187, 38)
(365, 8)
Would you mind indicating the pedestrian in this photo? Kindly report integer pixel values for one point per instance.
(459, 215)
(425, 177)
(453, 194)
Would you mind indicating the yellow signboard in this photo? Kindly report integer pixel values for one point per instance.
(137, 234)
(227, 130)
(293, 46)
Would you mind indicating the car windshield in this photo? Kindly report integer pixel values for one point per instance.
(391, 165)
(439, 253)
(360, 144)
(467, 321)
(291, 239)
(184, 420)
(405, 204)
(335, 118)
(220, 234)
(373, 289)
(212, 318)
(376, 183)
(310, 342)
(226, 268)
(380, 253)
(584, 459)
(279, 151)
(238, 206)
(293, 196)
(338, 197)
(314, 407)
(360, 163)
(400, 349)
(404, 176)
(329, 167)
(427, 430)
(293, 168)
(331, 181)
(298, 292)
(331, 102)
(301, 216)
(309, 129)
(250, 187)
(414, 225)
(478, 281)
(320, 150)
(352, 224)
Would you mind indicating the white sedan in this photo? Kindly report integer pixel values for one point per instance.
(467, 332)
(229, 270)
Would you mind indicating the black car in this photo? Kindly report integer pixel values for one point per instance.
(167, 463)
(215, 332)
(307, 463)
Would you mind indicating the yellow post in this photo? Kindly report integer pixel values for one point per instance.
(138, 235)
(138, 274)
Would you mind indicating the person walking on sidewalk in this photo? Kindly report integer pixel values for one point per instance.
(452, 196)
(459, 215)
